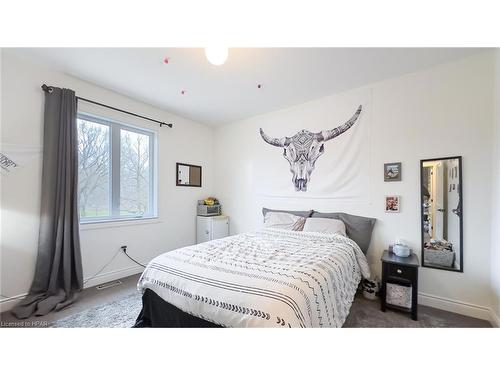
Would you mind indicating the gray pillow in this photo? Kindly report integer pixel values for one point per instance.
(358, 228)
(296, 213)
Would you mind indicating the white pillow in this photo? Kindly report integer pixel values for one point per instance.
(283, 220)
(324, 225)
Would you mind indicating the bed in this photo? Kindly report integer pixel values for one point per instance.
(267, 278)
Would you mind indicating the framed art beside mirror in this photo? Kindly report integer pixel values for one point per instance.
(187, 175)
(392, 172)
(392, 203)
(442, 213)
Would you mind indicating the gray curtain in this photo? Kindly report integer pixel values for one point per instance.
(58, 274)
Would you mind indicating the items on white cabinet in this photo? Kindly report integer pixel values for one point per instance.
(210, 228)
(209, 207)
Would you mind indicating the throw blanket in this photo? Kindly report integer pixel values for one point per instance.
(268, 278)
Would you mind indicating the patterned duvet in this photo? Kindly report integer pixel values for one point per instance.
(268, 278)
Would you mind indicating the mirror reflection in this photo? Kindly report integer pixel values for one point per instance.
(441, 187)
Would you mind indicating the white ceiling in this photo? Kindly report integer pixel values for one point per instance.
(216, 95)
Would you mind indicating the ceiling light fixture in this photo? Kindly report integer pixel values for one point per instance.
(216, 55)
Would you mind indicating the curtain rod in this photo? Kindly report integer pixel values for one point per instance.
(49, 89)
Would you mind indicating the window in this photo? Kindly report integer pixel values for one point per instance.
(116, 178)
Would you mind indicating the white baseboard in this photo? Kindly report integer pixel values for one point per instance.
(495, 319)
(7, 304)
(459, 307)
(111, 276)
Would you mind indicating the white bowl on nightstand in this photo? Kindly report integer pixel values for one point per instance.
(401, 250)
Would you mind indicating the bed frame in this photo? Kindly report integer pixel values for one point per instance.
(157, 313)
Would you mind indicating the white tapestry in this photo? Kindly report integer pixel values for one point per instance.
(318, 151)
(13, 157)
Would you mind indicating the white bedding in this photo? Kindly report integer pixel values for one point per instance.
(269, 278)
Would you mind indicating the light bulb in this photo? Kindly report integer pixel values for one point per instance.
(216, 55)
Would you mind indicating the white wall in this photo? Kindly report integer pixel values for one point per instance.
(495, 229)
(22, 124)
(443, 111)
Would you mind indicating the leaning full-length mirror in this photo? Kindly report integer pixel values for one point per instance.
(442, 213)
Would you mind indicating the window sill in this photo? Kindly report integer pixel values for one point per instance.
(114, 223)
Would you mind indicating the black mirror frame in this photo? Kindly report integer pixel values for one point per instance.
(460, 214)
(187, 165)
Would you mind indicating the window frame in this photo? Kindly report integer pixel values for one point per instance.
(114, 140)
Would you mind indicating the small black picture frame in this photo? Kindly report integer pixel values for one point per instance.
(392, 172)
(187, 175)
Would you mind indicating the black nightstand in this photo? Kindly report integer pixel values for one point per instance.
(401, 271)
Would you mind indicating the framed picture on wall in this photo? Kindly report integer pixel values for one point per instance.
(392, 172)
(392, 203)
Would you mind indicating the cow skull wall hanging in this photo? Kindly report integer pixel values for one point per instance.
(304, 148)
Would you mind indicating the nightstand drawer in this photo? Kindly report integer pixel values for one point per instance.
(395, 270)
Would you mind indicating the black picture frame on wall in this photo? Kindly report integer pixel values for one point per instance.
(194, 172)
(458, 211)
(392, 172)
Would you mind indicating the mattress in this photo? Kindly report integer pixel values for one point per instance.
(267, 278)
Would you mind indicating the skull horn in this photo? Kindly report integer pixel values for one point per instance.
(278, 142)
(330, 134)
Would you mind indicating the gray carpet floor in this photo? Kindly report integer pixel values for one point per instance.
(364, 313)
(367, 313)
(116, 314)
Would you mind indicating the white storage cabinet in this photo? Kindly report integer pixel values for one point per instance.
(210, 228)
